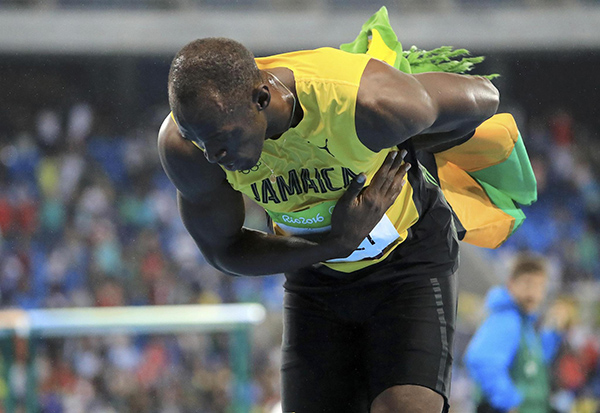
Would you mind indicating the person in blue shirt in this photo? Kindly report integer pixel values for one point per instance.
(508, 357)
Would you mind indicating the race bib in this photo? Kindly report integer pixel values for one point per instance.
(318, 219)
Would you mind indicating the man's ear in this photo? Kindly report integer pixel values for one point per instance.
(261, 97)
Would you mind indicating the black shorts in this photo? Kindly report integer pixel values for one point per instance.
(343, 347)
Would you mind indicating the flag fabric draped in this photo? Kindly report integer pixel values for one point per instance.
(488, 178)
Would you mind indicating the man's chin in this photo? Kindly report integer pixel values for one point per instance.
(230, 167)
(242, 165)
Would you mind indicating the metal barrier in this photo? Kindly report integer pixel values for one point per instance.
(34, 325)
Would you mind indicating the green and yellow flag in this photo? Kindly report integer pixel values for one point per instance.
(487, 178)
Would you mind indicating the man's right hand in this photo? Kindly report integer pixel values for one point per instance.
(359, 210)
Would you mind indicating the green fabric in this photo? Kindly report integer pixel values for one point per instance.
(514, 176)
(504, 202)
(530, 373)
(381, 22)
(507, 183)
(414, 60)
(510, 182)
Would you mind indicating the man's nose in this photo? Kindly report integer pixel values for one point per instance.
(215, 156)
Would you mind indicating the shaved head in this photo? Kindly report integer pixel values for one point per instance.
(210, 77)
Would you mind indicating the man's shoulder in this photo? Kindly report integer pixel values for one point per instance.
(508, 318)
(170, 142)
(318, 53)
(185, 164)
(322, 64)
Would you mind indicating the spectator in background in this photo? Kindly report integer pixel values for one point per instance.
(507, 358)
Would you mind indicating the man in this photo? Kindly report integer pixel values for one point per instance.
(507, 357)
(324, 140)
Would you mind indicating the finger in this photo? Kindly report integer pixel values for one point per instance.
(394, 170)
(398, 182)
(381, 175)
(354, 188)
(399, 160)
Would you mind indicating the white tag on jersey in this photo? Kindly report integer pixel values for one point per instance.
(318, 219)
(377, 241)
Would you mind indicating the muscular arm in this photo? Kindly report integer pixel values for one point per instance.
(434, 108)
(213, 213)
(236, 250)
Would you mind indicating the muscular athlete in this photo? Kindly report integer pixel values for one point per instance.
(225, 110)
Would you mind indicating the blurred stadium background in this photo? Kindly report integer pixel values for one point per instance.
(87, 217)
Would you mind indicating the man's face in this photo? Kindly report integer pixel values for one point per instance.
(528, 290)
(235, 143)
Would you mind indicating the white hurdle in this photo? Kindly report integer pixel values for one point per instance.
(237, 319)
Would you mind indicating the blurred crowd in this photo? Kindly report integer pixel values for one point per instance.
(565, 158)
(88, 218)
(563, 226)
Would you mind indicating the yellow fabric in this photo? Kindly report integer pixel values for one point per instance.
(327, 82)
(487, 225)
(380, 50)
(482, 219)
(492, 144)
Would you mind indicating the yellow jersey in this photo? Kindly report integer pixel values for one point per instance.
(303, 173)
